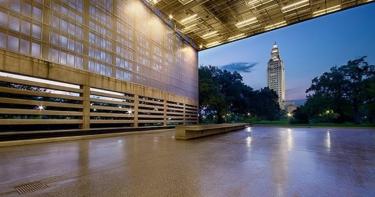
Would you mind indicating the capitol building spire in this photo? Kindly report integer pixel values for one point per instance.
(276, 74)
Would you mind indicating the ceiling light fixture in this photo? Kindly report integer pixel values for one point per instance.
(256, 3)
(236, 37)
(209, 35)
(189, 19)
(294, 6)
(189, 28)
(246, 22)
(275, 25)
(327, 10)
(212, 44)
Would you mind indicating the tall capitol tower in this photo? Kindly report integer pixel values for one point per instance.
(276, 74)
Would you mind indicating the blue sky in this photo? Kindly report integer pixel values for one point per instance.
(308, 49)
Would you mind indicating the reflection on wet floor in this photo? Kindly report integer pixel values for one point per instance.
(256, 161)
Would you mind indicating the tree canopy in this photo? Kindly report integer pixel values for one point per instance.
(224, 97)
(344, 94)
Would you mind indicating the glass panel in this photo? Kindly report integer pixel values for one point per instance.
(13, 43)
(36, 31)
(25, 27)
(3, 40)
(24, 46)
(35, 50)
(14, 23)
(3, 19)
(37, 14)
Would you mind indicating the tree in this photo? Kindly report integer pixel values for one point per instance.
(344, 93)
(223, 96)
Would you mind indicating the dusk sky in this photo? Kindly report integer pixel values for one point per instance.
(308, 49)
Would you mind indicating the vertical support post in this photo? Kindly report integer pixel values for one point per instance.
(165, 113)
(86, 107)
(86, 30)
(114, 36)
(136, 103)
(184, 114)
(45, 43)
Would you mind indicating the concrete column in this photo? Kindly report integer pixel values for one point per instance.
(86, 107)
(45, 42)
(114, 37)
(136, 103)
(86, 30)
(165, 113)
(184, 114)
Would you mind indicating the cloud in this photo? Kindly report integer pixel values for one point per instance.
(245, 67)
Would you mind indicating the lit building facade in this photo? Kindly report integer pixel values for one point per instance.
(93, 62)
(276, 75)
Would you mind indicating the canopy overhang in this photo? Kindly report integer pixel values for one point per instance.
(210, 23)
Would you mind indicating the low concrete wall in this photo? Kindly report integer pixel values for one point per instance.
(196, 131)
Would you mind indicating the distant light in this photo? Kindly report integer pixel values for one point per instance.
(170, 16)
(130, 112)
(289, 114)
(200, 46)
(41, 107)
(248, 114)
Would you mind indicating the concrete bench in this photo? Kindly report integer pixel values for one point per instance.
(196, 131)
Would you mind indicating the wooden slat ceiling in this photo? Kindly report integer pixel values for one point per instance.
(211, 23)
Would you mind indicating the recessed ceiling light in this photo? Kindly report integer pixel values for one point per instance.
(294, 6)
(246, 22)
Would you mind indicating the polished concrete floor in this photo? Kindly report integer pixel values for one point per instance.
(257, 161)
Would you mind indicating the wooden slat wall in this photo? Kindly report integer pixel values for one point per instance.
(25, 102)
(175, 113)
(150, 111)
(109, 109)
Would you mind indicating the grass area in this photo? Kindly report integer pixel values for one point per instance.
(286, 123)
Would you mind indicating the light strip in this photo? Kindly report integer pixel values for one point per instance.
(184, 2)
(294, 6)
(106, 91)
(212, 44)
(46, 81)
(327, 10)
(189, 19)
(246, 22)
(190, 27)
(256, 3)
(236, 37)
(209, 35)
(275, 25)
